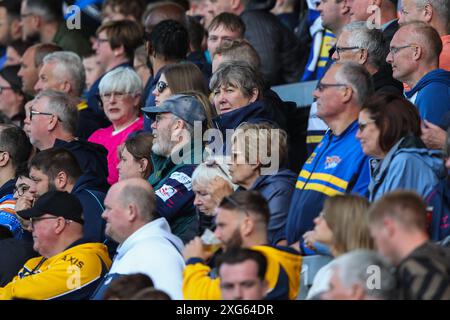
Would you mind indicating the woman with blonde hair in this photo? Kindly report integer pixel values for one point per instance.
(343, 226)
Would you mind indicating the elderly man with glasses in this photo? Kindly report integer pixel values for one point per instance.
(69, 267)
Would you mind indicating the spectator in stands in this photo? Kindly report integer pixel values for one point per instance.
(15, 50)
(179, 77)
(351, 274)
(259, 157)
(58, 169)
(380, 14)
(242, 275)
(211, 182)
(120, 92)
(337, 165)
(163, 10)
(52, 120)
(335, 15)
(64, 71)
(141, 65)
(146, 243)
(277, 46)
(224, 29)
(114, 10)
(435, 13)
(43, 20)
(15, 151)
(173, 155)
(56, 221)
(126, 286)
(11, 28)
(242, 220)
(197, 46)
(31, 63)
(135, 157)
(114, 46)
(367, 47)
(342, 226)
(93, 69)
(210, 110)
(287, 12)
(236, 89)
(398, 227)
(236, 50)
(414, 55)
(12, 98)
(167, 43)
(389, 132)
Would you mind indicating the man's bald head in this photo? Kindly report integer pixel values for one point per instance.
(164, 11)
(138, 192)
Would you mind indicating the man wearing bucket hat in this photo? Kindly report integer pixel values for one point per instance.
(69, 267)
(174, 157)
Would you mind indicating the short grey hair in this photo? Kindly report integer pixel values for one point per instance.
(63, 106)
(356, 76)
(238, 74)
(210, 169)
(442, 8)
(121, 80)
(70, 67)
(360, 267)
(370, 39)
(144, 199)
(41, 8)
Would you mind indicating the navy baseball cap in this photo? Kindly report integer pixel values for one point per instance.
(183, 106)
(56, 203)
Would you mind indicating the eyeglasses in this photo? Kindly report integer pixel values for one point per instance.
(21, 189)
(211, 163)
(34, 220)
(24, 15)
(395, 50)
(363, 125)
(38, 113)
(342, 49)
(118, 95)
(4, 88)
(99, 40)
(322, 86)
(161, 86)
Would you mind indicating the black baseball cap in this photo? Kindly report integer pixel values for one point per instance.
(187, 107)
(56, 203)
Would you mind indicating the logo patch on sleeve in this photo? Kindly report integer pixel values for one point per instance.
(183, 179)
(165, 192)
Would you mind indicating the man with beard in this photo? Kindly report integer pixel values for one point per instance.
(174, 161)
(242, 220)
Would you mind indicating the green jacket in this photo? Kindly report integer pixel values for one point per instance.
(71, 40)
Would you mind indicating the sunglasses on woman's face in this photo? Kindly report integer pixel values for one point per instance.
(161, 86)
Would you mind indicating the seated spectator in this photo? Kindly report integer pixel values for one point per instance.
(126, 286)
(114, 46)
(58, 169)
(242, 275)
(56, 222)
(368, 48)
(342, 226)
(398, 227)
(43, 20)
(52, 122)
(142, 67)
(93, 69)
(435, 13)
(337, 165)
(63, 71)
(197, 46)
(12, 98)
(237, 50)
(351, 275)
(242, 220)
(146, 243)
(120, 92)
(389, 132)
(258, 163)
(414, 56)
(177, 78)
(15, 50)
(12, 29)
(211, 182)
(173, 156)
(31, 63)
(114, 10)
(237, 89)
(16, 150)
(135, 157)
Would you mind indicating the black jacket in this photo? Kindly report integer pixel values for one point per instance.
(384, 82)
(276, 45)
(13, 255)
